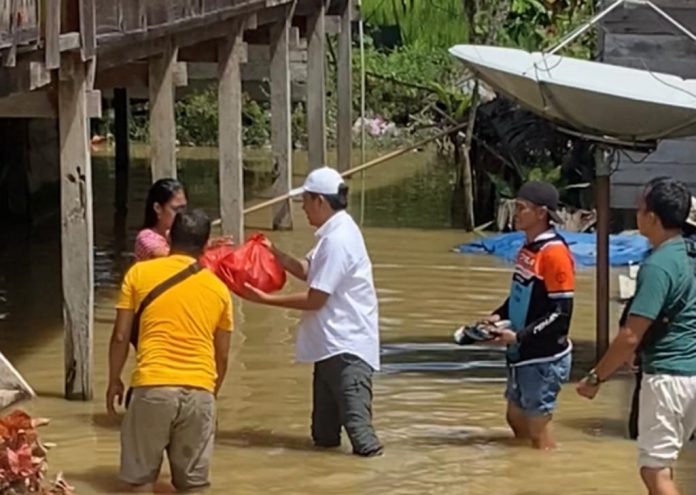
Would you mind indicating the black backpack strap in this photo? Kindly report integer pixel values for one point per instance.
(175, 279)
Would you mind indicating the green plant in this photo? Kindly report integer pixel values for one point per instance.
(424, 23)
(553, 174)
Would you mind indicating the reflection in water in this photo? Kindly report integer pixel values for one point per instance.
(438, 407)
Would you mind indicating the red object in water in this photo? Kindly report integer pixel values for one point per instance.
(251, 263)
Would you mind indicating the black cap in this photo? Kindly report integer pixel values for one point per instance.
(541, 194)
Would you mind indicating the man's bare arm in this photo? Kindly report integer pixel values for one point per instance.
(297, 268)
(222, 352)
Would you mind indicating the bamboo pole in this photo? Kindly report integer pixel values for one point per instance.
(360, 168)
(361, 34)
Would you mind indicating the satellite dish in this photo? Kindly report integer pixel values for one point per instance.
(599, 99)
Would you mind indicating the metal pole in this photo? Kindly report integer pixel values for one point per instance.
(602, 197)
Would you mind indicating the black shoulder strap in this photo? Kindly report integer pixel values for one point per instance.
(175, 279)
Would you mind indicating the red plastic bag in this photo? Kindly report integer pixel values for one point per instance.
(251, 263)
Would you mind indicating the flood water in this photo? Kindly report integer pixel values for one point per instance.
(438, 408)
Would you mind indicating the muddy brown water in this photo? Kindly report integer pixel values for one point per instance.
(438, 407)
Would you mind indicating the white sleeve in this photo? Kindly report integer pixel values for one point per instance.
(328, 266)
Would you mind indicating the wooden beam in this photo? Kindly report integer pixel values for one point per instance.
(121, 117)
(316, 89)
(344, 75)
(281, 139)
(43, 105)
(53, 13)
(88, 29)
(117, 54)
(262, 36)
(25, 76)
(69, 42)
(333, 24)
(77, 228)
(136, 75)
(207, 51)
(230, 54)
(644, 20)
(162, 118)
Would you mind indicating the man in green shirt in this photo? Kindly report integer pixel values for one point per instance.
(662, 320)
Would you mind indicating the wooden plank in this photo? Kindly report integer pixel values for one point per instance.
(252, 70)
(88, 29)
(38, 104)
(252, 54)
(121, 117)
(262, 36)
(648, 46)
(162, 118)
(77, 229)
(281, 140)
(69, 42)
(131, 15)
(27, 75)
(643, 20)
(638, 174)
(109, 20)
(53, 34)
(9, 55)
(136, 75)
(230, 134)
(94, 106)
(43, 105)
(316, 89)
(112, 55)
(676, 151)
(665, 65)
(184, 26)
(344, 75)
(333, 24)
(656, 53)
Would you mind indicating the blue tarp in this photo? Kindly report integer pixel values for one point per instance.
(623, 249)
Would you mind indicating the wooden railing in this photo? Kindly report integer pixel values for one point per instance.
(19, 23)
(120, 17)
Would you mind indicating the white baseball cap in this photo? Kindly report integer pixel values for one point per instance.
(324, 180)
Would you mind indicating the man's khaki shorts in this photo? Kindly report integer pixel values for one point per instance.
(666, 418)
(178, 420)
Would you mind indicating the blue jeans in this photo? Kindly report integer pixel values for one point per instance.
(534, 388)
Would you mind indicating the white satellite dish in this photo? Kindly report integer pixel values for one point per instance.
(596, 98)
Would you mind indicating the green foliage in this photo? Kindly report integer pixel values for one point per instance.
(424, 23)
(256, 123)
(400, 82)
(547, 172)
(536, 25)
(197, 118)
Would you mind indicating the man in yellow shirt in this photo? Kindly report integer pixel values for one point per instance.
(181, 361)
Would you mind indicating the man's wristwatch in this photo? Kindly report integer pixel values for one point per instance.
(593, 379)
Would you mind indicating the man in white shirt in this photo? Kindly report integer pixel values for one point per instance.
(339, 330)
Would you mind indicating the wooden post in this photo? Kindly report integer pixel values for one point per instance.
(602, 195)
(53, 14)
(230, 57)
(281, 142)
(344, 120)
(76, 231)
(162, 119)
(121, 107)
(316, 91)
